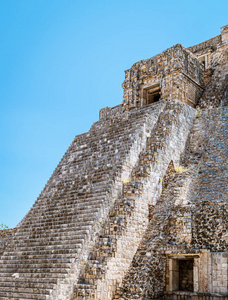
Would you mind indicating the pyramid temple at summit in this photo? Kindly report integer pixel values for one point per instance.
(137, 208)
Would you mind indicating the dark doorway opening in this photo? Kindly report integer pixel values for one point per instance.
(152, 94)
(186, 275)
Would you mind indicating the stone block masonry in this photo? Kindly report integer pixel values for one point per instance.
(188, 223)
(137, 207)
(125, 230)
(5, 237)
(55, 237)
(175, 74)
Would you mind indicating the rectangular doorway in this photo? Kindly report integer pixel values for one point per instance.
(186, 275)
(180, 275)
(152, 94)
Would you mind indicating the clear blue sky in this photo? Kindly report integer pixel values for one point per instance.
(62, 61)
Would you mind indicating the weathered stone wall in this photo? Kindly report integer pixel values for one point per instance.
(214, 54)
(224, 34)
(5, 237)
(216, 80)
(209, 189)
(219, 267)
(176, 71)
(189, 220)
(207, 46)
(121, 238)
(111, 112)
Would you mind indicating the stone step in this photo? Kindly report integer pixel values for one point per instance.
(44, 241)
(55, 230)
(25, 260)
(16, 298)
(13, 284)
(95, 267)
(72, 224)
(84, 206)
(74, 236)
(60, 270)
(80, 195)
(39, 256)
(21, 295)
(79, 187)
(55, 219)
(84, 290)
(53, 236)
(71, 210)
(120, 131)
(59, 212)
(29, 280)
(70, 200)
(46, 247)
(24, 290)
(39, 266)
(46, 275)
(54, 223)
(56, 235)
(93, 146)
(41, 252)
(86, 221)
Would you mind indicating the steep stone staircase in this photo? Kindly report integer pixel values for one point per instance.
(104, 270)
(60, 229)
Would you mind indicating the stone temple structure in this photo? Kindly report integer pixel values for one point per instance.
(137, 207)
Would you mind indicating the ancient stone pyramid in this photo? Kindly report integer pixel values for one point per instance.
(137, 207)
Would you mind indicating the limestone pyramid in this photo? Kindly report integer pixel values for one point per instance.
(137, 207)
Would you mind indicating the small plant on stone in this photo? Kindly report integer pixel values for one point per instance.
(198, 114)
(126, 181)
(2, 227)
(179, 169)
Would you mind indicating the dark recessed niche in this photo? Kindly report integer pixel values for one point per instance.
(186, 275)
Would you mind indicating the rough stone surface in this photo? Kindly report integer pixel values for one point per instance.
(189, 218)
(5, 237)
(137, 207)
(176, 73)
